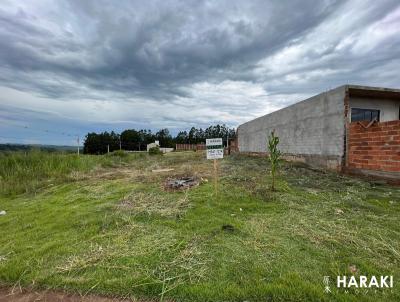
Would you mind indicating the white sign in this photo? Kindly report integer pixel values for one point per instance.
(214, 142)
(215, 149)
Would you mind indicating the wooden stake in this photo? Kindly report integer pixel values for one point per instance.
(215, 178)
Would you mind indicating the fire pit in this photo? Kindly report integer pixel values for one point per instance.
(181, 183)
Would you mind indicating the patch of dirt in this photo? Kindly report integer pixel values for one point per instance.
(162, 170)
(24, 295)
(181, 183)
(353, 269)
(338, 211)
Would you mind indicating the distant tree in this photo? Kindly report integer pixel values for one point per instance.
(165, 138)
(273, 156)
(182, 137)
(193, 137)
(100, 143)
(91, 144)
(130, 139)
(111, 141)
(209, 133)
(221, 131)
(201, 136)
(146, 137)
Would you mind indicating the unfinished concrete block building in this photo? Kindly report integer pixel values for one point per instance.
(352, 128)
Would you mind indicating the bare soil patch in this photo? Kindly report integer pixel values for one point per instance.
(162, 170)
(181, 183)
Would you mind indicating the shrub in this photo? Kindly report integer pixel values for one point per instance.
(119, 153)
(155, 151)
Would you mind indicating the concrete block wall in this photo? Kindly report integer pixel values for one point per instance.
(374, 148)
(312, 130)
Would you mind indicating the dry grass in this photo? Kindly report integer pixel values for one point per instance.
(115, 231)
(153, 203)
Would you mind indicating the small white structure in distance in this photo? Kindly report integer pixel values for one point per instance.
(157, 144)
(153, 145)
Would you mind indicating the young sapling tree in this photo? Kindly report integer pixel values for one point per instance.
(274, 156)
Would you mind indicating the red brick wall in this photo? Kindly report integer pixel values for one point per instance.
(233, 145)
(185, 147)
(374, 148)
(201, 147)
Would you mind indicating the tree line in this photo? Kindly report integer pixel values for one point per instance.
(137, 140)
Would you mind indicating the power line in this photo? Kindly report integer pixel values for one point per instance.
(9, 137)
(29, 141)
(64, 133)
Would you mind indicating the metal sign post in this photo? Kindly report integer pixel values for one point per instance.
(215, 150)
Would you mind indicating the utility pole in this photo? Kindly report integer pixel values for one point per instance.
(78, 144)
(120, 148)
(108, 149)
(227, 142)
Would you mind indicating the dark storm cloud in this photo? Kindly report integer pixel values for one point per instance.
(147, 49)
(176, 62)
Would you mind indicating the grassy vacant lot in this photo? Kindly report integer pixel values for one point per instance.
(104, 224)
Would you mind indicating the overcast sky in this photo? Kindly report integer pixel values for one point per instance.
(79, 66)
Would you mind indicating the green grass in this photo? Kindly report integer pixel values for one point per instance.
(29, 171)
(112, 229)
